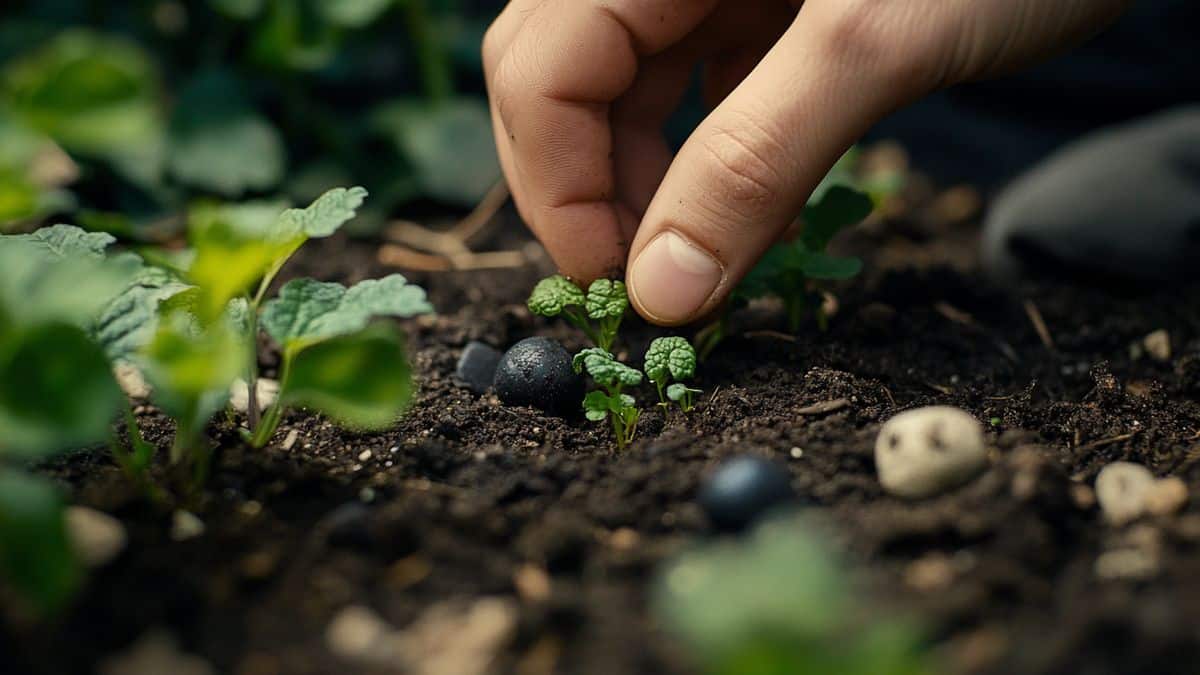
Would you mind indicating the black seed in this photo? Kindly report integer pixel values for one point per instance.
(537, 372)
(349, 525)
(742, 489)
(476, 367)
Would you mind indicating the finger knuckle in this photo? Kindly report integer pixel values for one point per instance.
(745, 157)
(491, 49)
(886, 36)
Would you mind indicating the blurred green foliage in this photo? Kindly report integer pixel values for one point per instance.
(156, 103)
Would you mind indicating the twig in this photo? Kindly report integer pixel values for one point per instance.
(482, 214)
(395, 255)
(1039, 324)
(824, 407)
(1105, 441)
(770, 334)
(960, 317)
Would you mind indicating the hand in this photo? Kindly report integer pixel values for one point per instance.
(581, 88)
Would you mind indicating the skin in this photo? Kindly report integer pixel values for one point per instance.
(580, 89)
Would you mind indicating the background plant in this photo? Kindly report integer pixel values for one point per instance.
(777, 603)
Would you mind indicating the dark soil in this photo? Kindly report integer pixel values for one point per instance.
(464, 492)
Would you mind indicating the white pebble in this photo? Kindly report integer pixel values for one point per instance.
(97, 537)
(1121, 489)
(924, 452)
(185, 525)
(239, 394)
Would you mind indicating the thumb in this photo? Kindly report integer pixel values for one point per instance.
(744, 175)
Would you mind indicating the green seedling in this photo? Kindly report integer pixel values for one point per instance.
(794, 271)
(672, 358)
(777, 603)
(610, 401)
(598, 313)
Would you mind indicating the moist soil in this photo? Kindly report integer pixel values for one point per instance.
(464, 496)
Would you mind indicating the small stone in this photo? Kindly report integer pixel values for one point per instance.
(476, 369)
(1121, 489)
(290, 440)
(742, 489)
(349, 525)
(925, 452)
(931, 573)
(239, 394)
(537, 372)
(131, 380)
(97, 537)
(480, 631)
(1158, 345)
(155, 653)
(1166, 497)
(358, 634)
(364, 455)
(532, 583)
(185, 525)
(1126, 563)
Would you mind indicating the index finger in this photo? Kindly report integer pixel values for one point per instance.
(552, 90)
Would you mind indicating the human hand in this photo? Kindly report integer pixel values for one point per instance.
(581, 88)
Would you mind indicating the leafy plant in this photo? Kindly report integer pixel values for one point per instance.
(793, 271)
(777, 604)
(57, 392)
(609, 401)
(672, 358)
(598, 313)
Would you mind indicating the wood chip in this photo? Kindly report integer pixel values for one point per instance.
(824, 407)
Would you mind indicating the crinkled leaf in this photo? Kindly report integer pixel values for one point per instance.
(449, 145)
(553, 294)
(129, 322)
(821, 266)
(605, 369)
(308, 311)
(596, 406)
(838, 208)
(361, 380)
(35, 554)
(606, 299)
(41, 277)
(321, 218)
(219, 142)
(672, 356)
(57, 391)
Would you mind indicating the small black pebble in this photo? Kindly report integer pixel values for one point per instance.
(349, 525)
(537, 372)
(742, 489)
(477, 366)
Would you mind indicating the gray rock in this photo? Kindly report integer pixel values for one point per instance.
(97, 537)
(477, 366)
(1122, 202)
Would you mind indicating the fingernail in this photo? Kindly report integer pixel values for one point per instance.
(672, 278)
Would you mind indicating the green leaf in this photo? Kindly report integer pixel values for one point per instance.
(57, 391)
(678, 391)
(596, 406)
(308, 311)
(353, 13)
(821, 266)
(228, 263)
(361, 380)
(554, 294)
(93, 93)
(321, 218)
(606, 299)
(35, 554)
(449, 144)
(838, 208)
(191, 367)
(219, 142)
(239, 9)
(43, 275)
(672, 356)
(781, 581)
(605, 369)
(130, 321)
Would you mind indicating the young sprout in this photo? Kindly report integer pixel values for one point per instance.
(672, 358)
(598, 313)
(609, 401)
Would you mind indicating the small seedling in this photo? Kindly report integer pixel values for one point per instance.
(609, 401)
(672, 358)
(598, 313)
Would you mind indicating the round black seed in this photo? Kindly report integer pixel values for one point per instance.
(742, 489)
(537, 372)
(476, 367)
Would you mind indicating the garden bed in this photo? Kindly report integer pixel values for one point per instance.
(466, 498)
